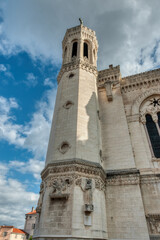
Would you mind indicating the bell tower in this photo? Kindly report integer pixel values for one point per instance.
(72, 195)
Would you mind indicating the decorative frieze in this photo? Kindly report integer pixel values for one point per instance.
(123, 177)
(73, 166)
(77, 63)
(142, 80)
(131, 179)
(150, 179)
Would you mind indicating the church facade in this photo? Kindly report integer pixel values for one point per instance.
(102, 174)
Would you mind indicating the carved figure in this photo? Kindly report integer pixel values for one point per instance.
(61, 185)
(81, 22)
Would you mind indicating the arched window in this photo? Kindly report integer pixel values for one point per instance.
(150, 117)
(74, 49)
(85, 50)
(153, 135)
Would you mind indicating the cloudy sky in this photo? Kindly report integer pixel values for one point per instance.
(31, 32)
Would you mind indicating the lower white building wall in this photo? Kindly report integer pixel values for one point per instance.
(95, 226)
(125, 213)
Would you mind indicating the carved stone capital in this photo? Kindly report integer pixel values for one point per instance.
(153, 221)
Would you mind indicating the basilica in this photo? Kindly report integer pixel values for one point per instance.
(102, 174)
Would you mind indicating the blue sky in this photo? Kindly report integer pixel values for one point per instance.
(31, 33)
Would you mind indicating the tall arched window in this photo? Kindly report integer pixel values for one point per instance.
(85, 50)
(153, 135)
(150, 117)
(74, 49)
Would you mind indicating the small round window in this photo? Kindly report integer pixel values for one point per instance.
(68, 104)
(71, 75)
(64, 147)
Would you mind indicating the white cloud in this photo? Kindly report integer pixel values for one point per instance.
(31, 80)
(34, 133)
(10, 131)
(33, 166)
(48, 82)
(15, 201)
(2, 68)
(123, 29)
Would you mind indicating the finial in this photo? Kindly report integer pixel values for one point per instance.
(81, 22)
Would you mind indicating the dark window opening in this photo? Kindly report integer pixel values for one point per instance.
(153, 135)
(74, 49)
(71, 75)
(85, 50)
(65, 52)
(158, 118)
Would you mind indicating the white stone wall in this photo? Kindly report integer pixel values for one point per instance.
(78, 125)
(116, 143)
(30, 220)
(125, 213)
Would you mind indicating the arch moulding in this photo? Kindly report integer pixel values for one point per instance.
(137, 103)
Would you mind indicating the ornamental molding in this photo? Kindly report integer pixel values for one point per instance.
(150, 179)
(74, 166)
(77, 63)
(129, 179)
(137, 103)
(142, 80)
(150, 106)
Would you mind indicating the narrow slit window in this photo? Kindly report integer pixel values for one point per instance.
(85, 50)
(153, 135)
(74, 49)
(65, 52)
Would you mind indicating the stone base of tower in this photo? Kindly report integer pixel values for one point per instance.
(72, 201)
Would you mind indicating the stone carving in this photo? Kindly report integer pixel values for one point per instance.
(145, 95)
(95, 183)
(88, 184)
(77, 165)
(64, 147)
(40, 200)
(154, 223)
(61, 187)
(81, 22)
(150, 106)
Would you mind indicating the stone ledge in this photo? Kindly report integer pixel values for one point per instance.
(74, 165)
(122, 172)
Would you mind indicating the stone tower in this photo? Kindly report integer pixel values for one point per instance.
(72, 194)
(102, 174)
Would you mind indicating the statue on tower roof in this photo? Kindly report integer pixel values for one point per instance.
(81, 22)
